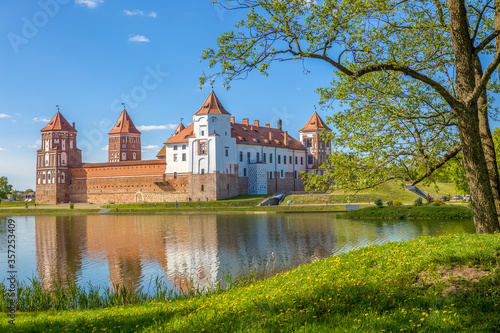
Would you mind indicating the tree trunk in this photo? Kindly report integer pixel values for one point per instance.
(474, 162)
(487, 139)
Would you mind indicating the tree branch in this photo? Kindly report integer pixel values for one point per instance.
(452, 152)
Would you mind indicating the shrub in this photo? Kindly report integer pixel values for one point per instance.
(389, 203)
(71, 205)
(378, 202)
(418, 202)
(397, 203)
(438, 202)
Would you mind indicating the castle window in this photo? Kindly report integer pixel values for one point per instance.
(124, 146)
(270, 158)
(124, 156)
(281, 173)
(248, 157)
(310, 159)
(183, 147)
(244, 172)
(43, 176)
(202, 188)
(202, 133)
(175, 175)
(301, 160)
(328, 143)
(264, 157)
(175, 157)
(296, 160)
(270, 175)
(284, 159)
(202, 171)
(134, 156)
(202, 147)
(241, 156)
(226, 133)
(184, 156)
(175, 147)
(258, 157)
(295, 174)
(308, 142)
(213, 120)
(227, 152)
(279, 159)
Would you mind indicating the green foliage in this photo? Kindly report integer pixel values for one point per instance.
(28, 191)
(418, 202)
(389, 203)
(378, 202)
(5, 187)
(438, 202)
(71, 205)
(397, 203)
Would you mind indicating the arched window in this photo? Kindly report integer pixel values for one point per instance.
(202, 188)
(134, 156)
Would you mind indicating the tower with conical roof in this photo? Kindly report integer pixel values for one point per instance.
(317, 149)
(124, 140)
(55, 159)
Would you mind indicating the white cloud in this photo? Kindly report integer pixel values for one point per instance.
(138, 39)
(89, 3)
(41, 120)
(105, 148)
(150, 147)
(139, 12)
(133, 12)
(37, 145)
(156, 127)
(3, 115)
(3, 149)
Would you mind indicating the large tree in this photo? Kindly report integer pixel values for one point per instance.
(5, 187)
(432, 45)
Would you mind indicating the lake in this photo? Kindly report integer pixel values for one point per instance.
(132, 250)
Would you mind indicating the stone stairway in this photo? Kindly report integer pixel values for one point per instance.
(417, 191)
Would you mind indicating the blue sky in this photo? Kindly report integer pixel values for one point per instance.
(88, 56)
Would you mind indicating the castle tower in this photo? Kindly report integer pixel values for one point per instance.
(317, 149)
(212, 132)
(55, 160)
(124, 140)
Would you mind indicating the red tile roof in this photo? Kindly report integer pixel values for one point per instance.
(212, 105)
(124, 125)
(182, 136)
(247, 135)
(315, 123)
(162, 152)
(263, 136)
(58, 123)
(179, 128)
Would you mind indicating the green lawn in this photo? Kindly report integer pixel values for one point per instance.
(429, 284)
(412, 212)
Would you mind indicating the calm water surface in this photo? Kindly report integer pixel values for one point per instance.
(131, 250)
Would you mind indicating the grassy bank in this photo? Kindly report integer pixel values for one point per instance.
(444, 284)
(411, 212)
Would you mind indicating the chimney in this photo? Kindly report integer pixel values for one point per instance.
(286, 138)
(232, 120)
(268, 125)
(256, 123)
(280, 123)
(245, 121)
(74, 125)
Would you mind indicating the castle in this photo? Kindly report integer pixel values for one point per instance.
(213, 158)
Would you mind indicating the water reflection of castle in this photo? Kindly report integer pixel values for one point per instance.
(184, 248)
